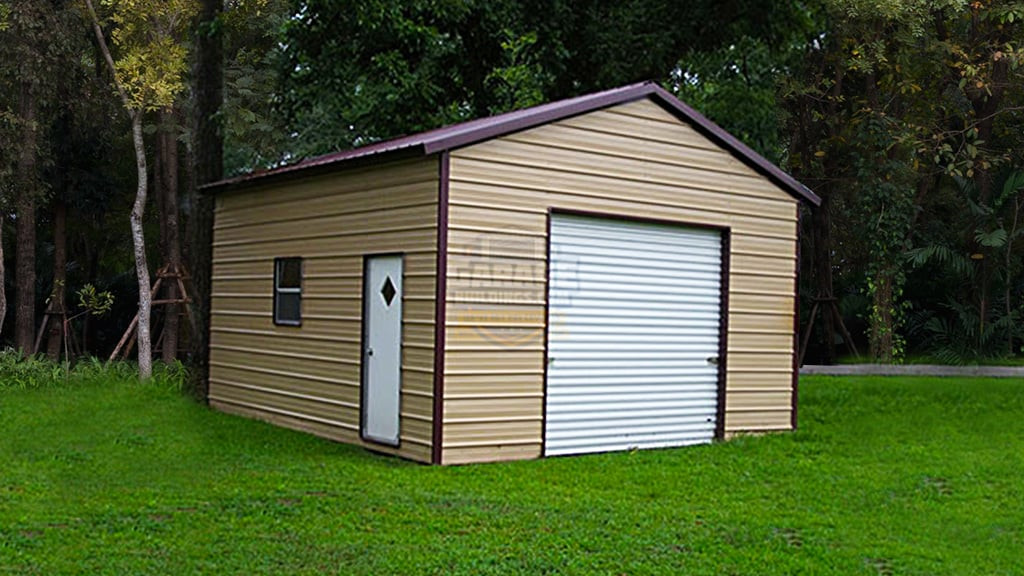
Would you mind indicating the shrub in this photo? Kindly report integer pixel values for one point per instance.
(19, 372)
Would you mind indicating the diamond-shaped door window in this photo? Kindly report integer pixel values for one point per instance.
(388, 291)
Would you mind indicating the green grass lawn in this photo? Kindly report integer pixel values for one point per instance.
(885, 476)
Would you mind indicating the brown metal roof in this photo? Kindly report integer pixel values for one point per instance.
(474, 131)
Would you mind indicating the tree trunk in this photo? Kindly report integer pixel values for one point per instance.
(60, 243)
(821, 235)
(3, 275)
(139, 245)
(986, 105)
(25, 228)
(1008, 282)
(169, 221)
(881, 329)
(138, 209)
(209, 166)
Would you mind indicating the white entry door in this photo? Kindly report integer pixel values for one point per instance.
(382, 348)
(633, 331)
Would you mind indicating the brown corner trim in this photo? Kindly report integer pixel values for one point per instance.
(440, 307)
(723, 332)
(795, 395)
(547, 324)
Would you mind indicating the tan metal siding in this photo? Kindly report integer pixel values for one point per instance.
(308, 377)
(633, 160)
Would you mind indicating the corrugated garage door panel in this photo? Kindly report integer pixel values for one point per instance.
(634, 317)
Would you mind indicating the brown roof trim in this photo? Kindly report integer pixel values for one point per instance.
(474, 131)
(311, 167)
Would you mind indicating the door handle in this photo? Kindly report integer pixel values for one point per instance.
(369, 351)
(713, 360)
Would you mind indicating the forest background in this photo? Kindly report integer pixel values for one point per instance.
(905, 116)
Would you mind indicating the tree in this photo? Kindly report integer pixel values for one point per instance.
(356, 72)
(25, 269)
(44, 46)
(147, 76)
(55, 323)
(170, 242)
(243, 43)
(207, 161)
(26, 49)
(884, 114)
(5, 13)
(3, 272)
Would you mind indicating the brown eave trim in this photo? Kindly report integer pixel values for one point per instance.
(440, 307)
(311, 168)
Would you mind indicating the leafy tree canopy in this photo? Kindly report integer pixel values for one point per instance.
(355, 72)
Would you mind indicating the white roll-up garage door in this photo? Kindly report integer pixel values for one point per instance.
(633, 333)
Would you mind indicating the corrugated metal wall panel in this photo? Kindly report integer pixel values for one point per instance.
(601, 187)
(654, 129)
(500, 192)
(567, 136)
(491, 452)
(634, 313)
(320, 194)
(333, 246)
(506, 151)
(483, 386)
(308, 377)
(696, 201)
(758, 421)
(495, 432)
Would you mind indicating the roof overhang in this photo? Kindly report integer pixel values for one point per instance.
(475, 131)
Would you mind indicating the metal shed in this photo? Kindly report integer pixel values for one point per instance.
(608, 272)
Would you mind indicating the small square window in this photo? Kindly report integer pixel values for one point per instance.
(288, 291)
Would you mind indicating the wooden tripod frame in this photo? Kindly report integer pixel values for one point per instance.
(56, 313)
(171, 274)
(831, 307)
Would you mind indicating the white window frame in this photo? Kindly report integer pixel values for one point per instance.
(279, 264)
